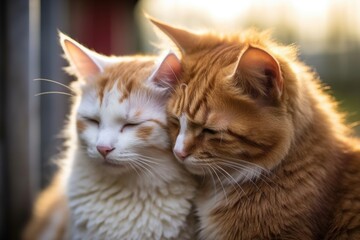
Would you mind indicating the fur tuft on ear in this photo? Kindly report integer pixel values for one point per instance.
(84, 63)
(168, 72)
(258, 73)
(183, 39)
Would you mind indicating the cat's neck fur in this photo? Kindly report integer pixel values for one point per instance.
(147, 180)
(120, 203)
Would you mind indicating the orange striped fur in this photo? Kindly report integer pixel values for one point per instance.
(274, 156)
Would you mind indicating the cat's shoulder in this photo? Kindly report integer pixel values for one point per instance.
(346, 221)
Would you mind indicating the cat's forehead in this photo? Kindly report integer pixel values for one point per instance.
(123, 77)
(213, 108)
(198, 109)
(205, 95)
(123, 91)
(209, 65)
(203, 78)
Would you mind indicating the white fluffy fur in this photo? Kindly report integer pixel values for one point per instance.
(116, 201)
(129, 206)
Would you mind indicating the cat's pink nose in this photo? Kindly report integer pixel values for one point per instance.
(104, 150)
(181, 154)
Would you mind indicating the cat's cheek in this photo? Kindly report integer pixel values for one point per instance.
(144, 133)
(80, 126)
(162, 139)
(92, 152)
(88, 138)
(84, 129)
(82, 138)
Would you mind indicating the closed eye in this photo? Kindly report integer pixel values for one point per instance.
(129, 125)
(209, 131)
(92, 120)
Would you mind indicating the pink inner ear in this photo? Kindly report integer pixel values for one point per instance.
(167, 75)
(84, 65)
(258, 60)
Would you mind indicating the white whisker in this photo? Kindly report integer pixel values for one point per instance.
(134, 168)
(213, 181)
(245, 168)
(52, 81)
(242, 169)
(54, 92)
(203, 175)
(147, 171)
(222, 186)
(144, 158)
(232, 178)
(149, 167)
(246, 162)
(150, 161)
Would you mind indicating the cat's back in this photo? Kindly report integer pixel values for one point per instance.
(346, 221)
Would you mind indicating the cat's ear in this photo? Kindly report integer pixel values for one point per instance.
(84, 63)
(258, 73)
(167, 73)
(184, 40)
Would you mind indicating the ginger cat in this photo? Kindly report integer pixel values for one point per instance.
(120, 179)
(272, 153)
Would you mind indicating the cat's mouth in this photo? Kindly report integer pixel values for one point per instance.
(113, 163)
(197, 166)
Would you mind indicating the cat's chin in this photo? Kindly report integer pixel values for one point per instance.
(193, 167)
(195, 170)
(113, 163)
(111, 166)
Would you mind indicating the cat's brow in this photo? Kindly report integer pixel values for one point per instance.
(248, 141)
(192, 123)
(181, 100)
(162, 125)
(201, 92)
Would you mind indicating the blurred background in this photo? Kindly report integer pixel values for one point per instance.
(327, 33)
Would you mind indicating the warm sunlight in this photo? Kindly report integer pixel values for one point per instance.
(87, 89)
(327, 32)
(316, 25)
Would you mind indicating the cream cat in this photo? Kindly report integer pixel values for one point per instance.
(119, 176)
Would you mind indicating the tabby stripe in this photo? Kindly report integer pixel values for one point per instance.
(180, 101)
(210, 88)
(126, 91)
(249, 142)
(217, 51)
(247, 155)
(195, 104)
(177, 106)
(203, 109)
(220, 51)
(205, 157)
(159, 123)
(184, 99)
(195, 107)
(221, 140)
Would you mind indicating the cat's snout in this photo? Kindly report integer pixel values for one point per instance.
(104, 150)
(181, 154)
